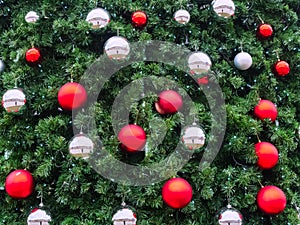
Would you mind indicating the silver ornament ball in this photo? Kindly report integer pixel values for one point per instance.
(98, 18)
(224, 8)
(81, 146)
(230, 216)
(31, 17)
(117, 48)
(38, 217)
(199, 62)
(193, 137)
(124, 216)
(13, 100)
(182, 16)
(243, 61)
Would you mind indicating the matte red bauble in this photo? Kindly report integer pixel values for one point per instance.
(281, 68)
(33, 56)
(267, 155)
(139, 19)
(169, 102)
(266, 110)
(132, 137)
(72, 96)
(19, 184)
(177, 193)
(264, 31)
(271, 200)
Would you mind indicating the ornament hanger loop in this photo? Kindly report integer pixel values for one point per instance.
(262, 186)
(194, 122)
(71, 75)
(257, 136)
(40, 195)
(277, 54)
(297, 208)
(186, 39)
(123, 204)
(180, 3)
(16, 81)
(196, 47)
(228, 200)
(241, 47)
(260, 19)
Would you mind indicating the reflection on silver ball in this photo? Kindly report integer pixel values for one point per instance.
(243, 61)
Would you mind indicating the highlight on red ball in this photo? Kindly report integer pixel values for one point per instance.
(72, 96)
(169, 102)
(132, 137)
(281, 68)
(33, 56)
(19, 184)
(266, 109)
(271, 200)
(267, 155)
(139, 19)
(264, 31)
(177, 193)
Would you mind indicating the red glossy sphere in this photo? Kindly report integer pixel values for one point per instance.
(169, 102)
(33, 55)
(132, 137)
(72, 96)
(271, 200)
(265, 109)
(265, 31)
(281, 68)
(267, 155)
(139, 19)
(177, 193)
(19, 184)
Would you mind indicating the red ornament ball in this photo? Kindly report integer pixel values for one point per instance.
(267, 155)
(132, 137)
(19, 184)
(203, 80)
(281, 68)
(265, 109)
(169, 102)
(264, 31)
(271, 200)
(177, 193)
(33, 56)
(72, 96)
(139, 19)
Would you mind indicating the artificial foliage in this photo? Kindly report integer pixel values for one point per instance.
(36, 138)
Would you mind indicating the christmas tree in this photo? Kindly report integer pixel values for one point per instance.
(135, 66)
